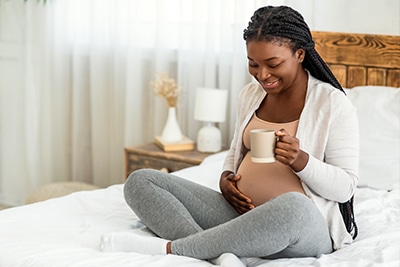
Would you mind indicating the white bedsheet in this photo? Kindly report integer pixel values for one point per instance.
(66, 231)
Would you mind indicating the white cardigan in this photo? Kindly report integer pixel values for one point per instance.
(328, 132)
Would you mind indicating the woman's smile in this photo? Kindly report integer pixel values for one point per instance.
(270, 85)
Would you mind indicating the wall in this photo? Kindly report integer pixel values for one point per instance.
(11, 71)
(358, 16)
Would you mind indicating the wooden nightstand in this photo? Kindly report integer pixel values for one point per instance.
(151, 156)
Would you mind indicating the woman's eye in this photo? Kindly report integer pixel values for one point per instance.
(253, 65)
(273, 66)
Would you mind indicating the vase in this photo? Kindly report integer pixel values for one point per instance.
(172, 132)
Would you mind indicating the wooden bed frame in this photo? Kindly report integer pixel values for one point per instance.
(361, 59)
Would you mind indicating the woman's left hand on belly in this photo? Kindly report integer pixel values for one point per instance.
(237, 199)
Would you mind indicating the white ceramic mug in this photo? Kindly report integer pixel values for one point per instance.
(262, 145)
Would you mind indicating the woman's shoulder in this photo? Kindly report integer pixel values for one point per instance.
(248, 100)
(315, 85)
(318, 88)
(251, 92)
(327, 95)
(252, 88)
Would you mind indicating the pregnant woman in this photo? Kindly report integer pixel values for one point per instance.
(289, 208)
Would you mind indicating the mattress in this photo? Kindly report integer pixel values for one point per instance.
(66, 231)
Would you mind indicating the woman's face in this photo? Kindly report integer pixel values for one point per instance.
(274, 65)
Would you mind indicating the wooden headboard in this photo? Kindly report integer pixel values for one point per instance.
(360, 59)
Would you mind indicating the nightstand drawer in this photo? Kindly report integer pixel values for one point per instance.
(151, 156)
(136, 162)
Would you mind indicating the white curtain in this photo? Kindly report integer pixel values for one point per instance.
(86, 93)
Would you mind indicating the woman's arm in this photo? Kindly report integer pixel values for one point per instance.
(334, 175)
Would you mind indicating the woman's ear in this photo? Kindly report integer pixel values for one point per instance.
(300, 54)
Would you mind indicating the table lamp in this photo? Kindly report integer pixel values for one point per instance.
(210, 107)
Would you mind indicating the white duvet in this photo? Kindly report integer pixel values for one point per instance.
(66, 231)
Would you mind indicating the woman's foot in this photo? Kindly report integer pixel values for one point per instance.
(133, 242)
(229, 260)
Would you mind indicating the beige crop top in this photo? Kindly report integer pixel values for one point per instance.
(263, 181)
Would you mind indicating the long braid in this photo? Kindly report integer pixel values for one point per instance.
(275, 23)
(282, 24)
(346, 209)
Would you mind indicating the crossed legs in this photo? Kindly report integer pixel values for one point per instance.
(200, 223)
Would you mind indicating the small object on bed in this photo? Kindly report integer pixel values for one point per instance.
(59, 189)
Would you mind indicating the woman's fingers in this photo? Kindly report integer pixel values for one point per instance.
(288, 152)
(287, 147)
(238, 200)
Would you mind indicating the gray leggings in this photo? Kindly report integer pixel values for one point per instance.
(203, 225)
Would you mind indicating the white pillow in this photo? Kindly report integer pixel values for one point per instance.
(378, 110)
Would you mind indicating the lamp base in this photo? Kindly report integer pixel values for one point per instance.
(209, 139)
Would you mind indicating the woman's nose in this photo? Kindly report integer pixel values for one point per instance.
(263, 74)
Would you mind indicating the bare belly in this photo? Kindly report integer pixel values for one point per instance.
(264, 181)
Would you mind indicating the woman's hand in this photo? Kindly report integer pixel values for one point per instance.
(237, 199)
(287, 151)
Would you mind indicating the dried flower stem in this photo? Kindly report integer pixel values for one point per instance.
(166, 87)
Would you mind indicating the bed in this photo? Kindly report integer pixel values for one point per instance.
(65, 231)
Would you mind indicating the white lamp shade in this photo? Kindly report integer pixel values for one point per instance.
(210, 104)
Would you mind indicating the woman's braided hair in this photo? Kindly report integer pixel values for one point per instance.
(284, 25)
